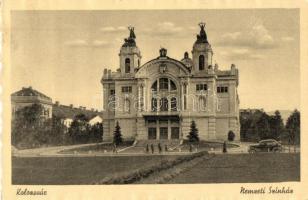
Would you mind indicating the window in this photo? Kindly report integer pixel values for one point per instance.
(201, 62)
(163, 84)
(222, 89)
(127, 65)
(164, 104)
(201, 87)
(112, 95)
(127, 89)
(175, 133)
(152, 133)
(163, 133)
(173, 104)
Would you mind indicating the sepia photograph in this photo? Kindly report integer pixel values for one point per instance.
(146, 97)
(153, 102)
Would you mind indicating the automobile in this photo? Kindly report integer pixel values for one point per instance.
(269, 145)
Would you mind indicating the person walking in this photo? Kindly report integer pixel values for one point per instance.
(166, 148)
(152, 148)
(115, 148)
(147, 148)
(224, 147)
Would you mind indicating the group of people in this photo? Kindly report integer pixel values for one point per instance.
(159, 147)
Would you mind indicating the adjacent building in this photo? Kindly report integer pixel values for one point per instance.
(28, 96)
(158, 100)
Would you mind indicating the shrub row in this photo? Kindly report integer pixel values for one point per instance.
(166, 175)
(137, 175)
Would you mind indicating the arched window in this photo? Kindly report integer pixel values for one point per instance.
(164, 85)
(173, 104)
(127, 65)
(172, 85)
(201, 62)
(154, 86)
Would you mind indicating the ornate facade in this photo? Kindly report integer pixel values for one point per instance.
(158, 99)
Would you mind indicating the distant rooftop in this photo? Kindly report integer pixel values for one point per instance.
(29, 91)
(64, 111)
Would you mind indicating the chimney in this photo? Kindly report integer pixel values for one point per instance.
(71, 105)
(57, 103)
(109, 73)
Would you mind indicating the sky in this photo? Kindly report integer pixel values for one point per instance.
(63, 53)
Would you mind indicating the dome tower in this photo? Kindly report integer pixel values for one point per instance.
(130, 55)
(202, 51)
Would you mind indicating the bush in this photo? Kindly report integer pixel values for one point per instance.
(231, 136)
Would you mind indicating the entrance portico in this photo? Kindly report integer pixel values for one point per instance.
(163, 127)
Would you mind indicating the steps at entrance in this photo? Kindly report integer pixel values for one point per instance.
(169, 143)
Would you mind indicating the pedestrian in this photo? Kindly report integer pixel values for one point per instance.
(159, 147)
(166, 148)
(152, 148)
(224, 147)
(190, 148)
(114, 149)
(147, 148)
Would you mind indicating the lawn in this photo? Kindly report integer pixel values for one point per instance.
(244, 168)
(75, 170)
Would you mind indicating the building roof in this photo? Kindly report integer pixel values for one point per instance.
(29, 91)
(64, 111)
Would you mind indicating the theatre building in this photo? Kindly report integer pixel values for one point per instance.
(158, 100)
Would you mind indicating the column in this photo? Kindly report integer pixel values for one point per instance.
(169, 130)
(143, 98)
(139, 96)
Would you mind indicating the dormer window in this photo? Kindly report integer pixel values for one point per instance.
(201, 62)
(127, 65)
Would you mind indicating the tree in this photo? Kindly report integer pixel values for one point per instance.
(231, 136)
(193, 133)
(293, 127)
(263, 127)
(28, 127)
(276, 125)
(96, 132)
(117, 136)
(79, 129)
